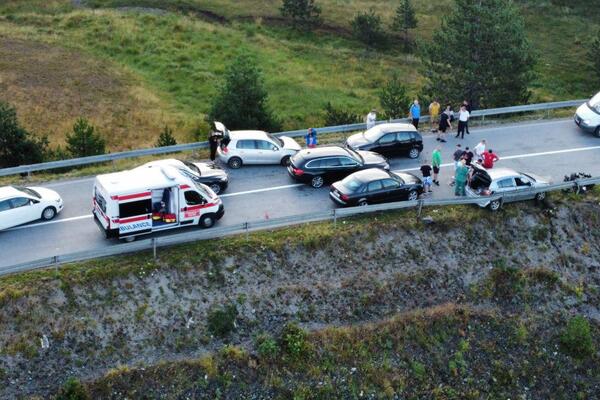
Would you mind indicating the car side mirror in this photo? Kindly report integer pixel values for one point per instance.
(275, 148)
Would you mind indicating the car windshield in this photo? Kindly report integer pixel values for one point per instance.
(275, 139)
(373, 134)
(204, 191)
(192, 166)
(30, 192)
(354, 154)
(594, 103)
(352, 183)
(396, 177)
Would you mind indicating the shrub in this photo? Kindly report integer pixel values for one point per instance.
(595, 54)
(267, 347)
(85, 140)
(221, 320)
(576, 339)
(73, 390)
(368, 28)
(166, 138)
(303, 13)
(17, 145)
(241, 102)
(337, 116)
(293, 341)
(405, 19)
(393, 99)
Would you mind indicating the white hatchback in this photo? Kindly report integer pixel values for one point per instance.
(257, 147)
(19, 205)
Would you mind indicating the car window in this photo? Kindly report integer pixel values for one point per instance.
(5, 205)
(388, 138)
(313, 164)
(522, 181)
(331, 162)
(374, 186)
(404, 136)
(245, 144)
(19, 202)
(390, 184)
(193, 198)
(506, 183)
(347, 162)
(264, 145)
(352, 183)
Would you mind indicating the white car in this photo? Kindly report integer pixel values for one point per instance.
(19, 205)
(587, 116)
(257, 147)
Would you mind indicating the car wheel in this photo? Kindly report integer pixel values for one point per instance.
(316, 182)
(235, 162)
(216, 188)
(414, 153)
(540, 196)
(413, 195)
(597, 132)
(207, 221)
(285, 161)
(48, 213)
(495, 205)
(363, 202)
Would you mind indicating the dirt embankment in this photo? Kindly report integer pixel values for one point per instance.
(523, 266)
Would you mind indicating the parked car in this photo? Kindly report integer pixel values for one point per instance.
(332, 163)
(488, 182)
(209, 174)
(375, 185)
(587, 116)
(389, 139)
(19, 205)
(257, 147)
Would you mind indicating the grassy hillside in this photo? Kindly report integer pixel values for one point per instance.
(131, 72)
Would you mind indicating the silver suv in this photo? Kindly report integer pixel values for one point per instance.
(257, 147)
(485, 183)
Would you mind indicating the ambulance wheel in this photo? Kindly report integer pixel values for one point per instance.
(48, 213)
(129, 239)
(207, 221)
(235, 162)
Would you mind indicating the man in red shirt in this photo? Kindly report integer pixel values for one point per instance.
(489, 159)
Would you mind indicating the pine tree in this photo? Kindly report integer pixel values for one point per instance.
(481, 54)
(303, 13)
(405, 19)
(393, 99)
(84, 141)
(17, 145)
(241, 101)
(595, 54)
(166, 138)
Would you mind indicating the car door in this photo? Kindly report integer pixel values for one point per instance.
(333, 169)
(268, 153)
(507, 185)
(348, 166)
(392, 190)
(5, 215)
(523, 186)
(246, 149)
(386, 143)
(23, 210)
(404, 143)
(375, 192)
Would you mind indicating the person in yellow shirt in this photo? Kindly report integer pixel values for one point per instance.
(434, 112)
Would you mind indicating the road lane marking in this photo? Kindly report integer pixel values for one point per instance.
(262, 190)
(50, 222)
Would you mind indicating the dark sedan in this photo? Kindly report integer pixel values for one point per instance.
(389, 139)
(375, 185)
(329, 164)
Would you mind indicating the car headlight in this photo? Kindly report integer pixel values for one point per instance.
(586, 122)
(59, 201)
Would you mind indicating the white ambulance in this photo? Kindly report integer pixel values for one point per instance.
(144, 200)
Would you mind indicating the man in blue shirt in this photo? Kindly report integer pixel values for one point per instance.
(415, 113)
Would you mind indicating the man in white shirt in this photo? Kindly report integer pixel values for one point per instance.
(371, 118)
(463, 118)
(479, 150)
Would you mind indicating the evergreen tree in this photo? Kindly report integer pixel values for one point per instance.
(368, 28)
(241, 101)
(405, 19)
(166, 138)
(595, 54)
(303, 13)
(84, 141)
(17, 145)
(393, 99)
(481, 54)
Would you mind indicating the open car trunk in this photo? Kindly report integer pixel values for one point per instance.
(480, 180)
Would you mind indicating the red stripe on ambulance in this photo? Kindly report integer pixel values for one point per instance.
(131, 196)
(133, 219)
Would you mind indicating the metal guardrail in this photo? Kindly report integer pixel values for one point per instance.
(73, 162)
(153, 244)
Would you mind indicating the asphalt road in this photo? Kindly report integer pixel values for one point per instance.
(550, 149)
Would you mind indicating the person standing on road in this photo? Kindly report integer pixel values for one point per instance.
(434, 112)
(426, 172)
(371, 118)
(311, 138)
(489, 159)
(436, 162)
(468, 156)
(463, 119)
(213, 141)
(469, 109)
(457, 156)
(480, 149)
(461, 178)
(415, 113)
(444, 125)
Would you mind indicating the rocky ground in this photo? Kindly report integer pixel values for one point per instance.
(436, 310)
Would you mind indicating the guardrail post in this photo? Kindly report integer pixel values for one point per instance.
(334, 218)
(419, 208)
(246, 228)
(154, 247)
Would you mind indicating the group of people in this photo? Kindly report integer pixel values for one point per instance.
(440, 123)
(463, 166)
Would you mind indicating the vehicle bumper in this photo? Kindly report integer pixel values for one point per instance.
(300, 178)
(109, 233)
(222, 156)
(336, 199)
(221, 211)
(580, 122)
(473, 195)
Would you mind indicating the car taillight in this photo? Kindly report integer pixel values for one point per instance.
(344, 197)
(297, 171)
